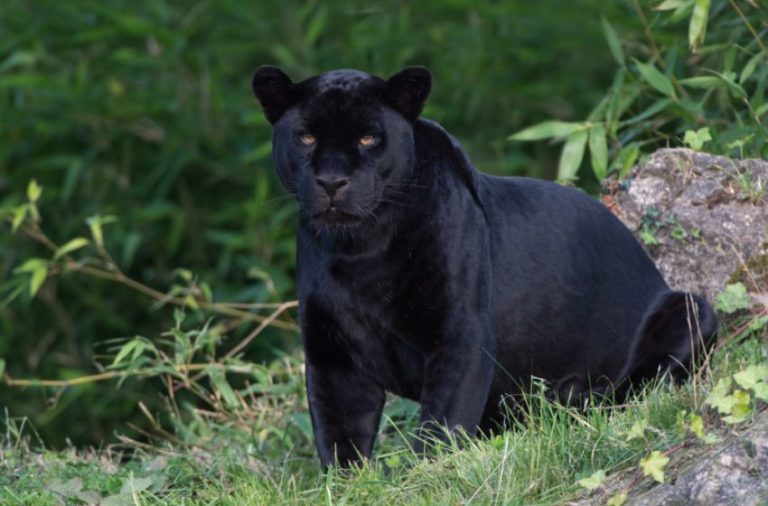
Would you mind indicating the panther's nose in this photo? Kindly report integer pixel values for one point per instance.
(331, 184)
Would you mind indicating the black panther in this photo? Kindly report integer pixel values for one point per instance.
(421, 276)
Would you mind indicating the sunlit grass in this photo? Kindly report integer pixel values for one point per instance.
(536, 462)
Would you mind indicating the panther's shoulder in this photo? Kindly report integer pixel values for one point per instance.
(438, 148)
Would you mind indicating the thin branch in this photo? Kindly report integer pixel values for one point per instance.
(269, 320)
(104, 376)
(749, 26)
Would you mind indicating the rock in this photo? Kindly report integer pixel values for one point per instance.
(703, 218)
(736, 473)
(704, 221)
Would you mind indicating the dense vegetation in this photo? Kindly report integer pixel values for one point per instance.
(139, 266)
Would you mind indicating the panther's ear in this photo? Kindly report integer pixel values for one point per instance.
(407, 90)
(274, 90)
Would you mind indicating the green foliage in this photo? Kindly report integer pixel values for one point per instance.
(617, 500)
(144, 113)
(593, 481)
(653, 465)
(696, 140)
(714, 92)
(733, 298)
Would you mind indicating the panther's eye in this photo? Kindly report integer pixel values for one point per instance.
(307, 139)
(367, 141)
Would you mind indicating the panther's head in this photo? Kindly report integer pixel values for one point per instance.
(343, 140)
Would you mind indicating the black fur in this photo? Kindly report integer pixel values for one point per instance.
(421, 276)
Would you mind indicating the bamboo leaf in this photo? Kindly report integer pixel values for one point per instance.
(654, 109)
(668, 5)
(697, 29)
(614, 44)
(572, 155)
(70, 246)
(18, 217)
(95, 223)
(750, 67)
(702, 82)
(29, 266)
(546, 130)
(656, 79)
(598, 151)
(37, 279)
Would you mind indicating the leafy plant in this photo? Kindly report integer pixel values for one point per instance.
(667, 92)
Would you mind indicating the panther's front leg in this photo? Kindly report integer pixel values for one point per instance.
(345, 408)
(457, 379)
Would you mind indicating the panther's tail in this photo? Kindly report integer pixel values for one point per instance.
(676, 331)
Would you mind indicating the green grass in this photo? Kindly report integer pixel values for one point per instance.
(265, 455)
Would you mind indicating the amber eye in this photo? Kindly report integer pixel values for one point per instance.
(367, 141)
(308, 139)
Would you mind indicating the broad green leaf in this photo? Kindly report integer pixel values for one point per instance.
(637, 431)
(702, 82)
(546, 130)
(655, 78)
(733, 298)
(761, 110)
(118, 500)
(572, 155)
(68, 489)
(741, 408)
(668, 5)
(648, 236)
(697, 29)
(70, 246)
(2, 368)
(719, 398)
(758, 323)
(617, 500)
(34, 191)
(750, 67)
(614, 44)
(761, 391)
(697, 425)
(132, 485)
(751, 376)
(598, 151)
(653, 465)
(696, 140)
(755, 378)
(393, 461)
(593, 481)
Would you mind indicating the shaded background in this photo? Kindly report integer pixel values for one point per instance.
(143, 111)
